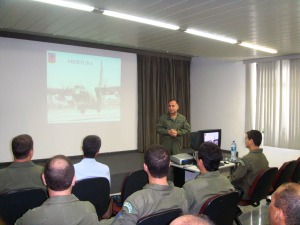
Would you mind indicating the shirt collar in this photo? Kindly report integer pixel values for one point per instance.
(159, 187)
(21, 164)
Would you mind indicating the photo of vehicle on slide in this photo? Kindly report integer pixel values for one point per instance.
(82, 88)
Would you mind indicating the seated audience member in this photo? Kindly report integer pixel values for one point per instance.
(285, 205)
(192, 220)
(250, 164)
(62, 207)
(209, 182)
(88, 167)
(22, 173)
(157, 196)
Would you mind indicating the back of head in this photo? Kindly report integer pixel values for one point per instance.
(21, 146)
(211, 155)
(59, 173)
(192, 220)
(287, 198)
(256, 136)
(157, 159)
(91, 145)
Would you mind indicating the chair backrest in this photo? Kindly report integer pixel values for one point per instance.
(296, 174)
(221, 208)
(14, 204)
(261, 185)
(95, 190)
(135, 181)
(161, 218)
(284, 174)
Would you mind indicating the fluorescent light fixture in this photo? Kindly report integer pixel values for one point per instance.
(140, 20)
(211, 36)
(258, 47)
(68, 4)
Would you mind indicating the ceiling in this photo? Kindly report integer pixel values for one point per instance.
(272, 23)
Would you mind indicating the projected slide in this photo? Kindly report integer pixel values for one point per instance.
(82, 88)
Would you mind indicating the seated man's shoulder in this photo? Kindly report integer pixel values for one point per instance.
(39, 168)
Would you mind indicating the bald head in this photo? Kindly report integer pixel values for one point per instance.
(59, 173)
(192, 220)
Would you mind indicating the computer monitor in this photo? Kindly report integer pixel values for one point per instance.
(211, 135)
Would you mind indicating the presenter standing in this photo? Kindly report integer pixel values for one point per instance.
(171, 126)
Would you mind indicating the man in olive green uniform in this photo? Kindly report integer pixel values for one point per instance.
(157, 196)
(171, 126)
(250, 164)
(62, 207)
(209, 182)
(22, 173)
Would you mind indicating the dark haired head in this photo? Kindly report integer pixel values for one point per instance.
(256, 136)
(173, 100)
(21, 146)
(211, 155)
(157, 159)
(287, 198)
(91, 145)
(59, 173)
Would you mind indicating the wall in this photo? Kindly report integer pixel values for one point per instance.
(218, 98)
(218, 101)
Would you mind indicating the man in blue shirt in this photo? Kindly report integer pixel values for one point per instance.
(88, 167)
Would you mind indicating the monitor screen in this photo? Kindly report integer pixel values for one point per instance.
(211, 135)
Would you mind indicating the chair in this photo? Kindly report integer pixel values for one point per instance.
(221, 208)
(133, 182)
(284, 175)
(161, 218)
(95, 190)
(260, 187)
(259, 190)
(14, 204)
(296, 173)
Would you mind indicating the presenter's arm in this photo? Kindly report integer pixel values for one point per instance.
(184, 129)
(160, 126)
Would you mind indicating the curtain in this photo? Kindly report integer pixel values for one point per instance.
(159, 80)
(294, 129)
(273, 97)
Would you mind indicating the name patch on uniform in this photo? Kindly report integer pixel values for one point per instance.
(128, 206)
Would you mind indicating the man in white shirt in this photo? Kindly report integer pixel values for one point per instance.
(88, 167)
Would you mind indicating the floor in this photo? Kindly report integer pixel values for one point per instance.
(255, 215)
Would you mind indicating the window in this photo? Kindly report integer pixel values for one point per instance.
(273, 101)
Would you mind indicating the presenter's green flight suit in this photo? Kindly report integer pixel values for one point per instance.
(203, 187)
(21, 175)
(247, 169)
(62, 210)
(165, 123)
(153, 198)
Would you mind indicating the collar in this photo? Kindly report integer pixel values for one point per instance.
(21, 164)
(61, 199)
(209, 174)
(159, 187)
(259, 150)
(89, 159)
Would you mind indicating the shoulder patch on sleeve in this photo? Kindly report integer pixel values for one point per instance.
(128, 206)
(242, 163)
